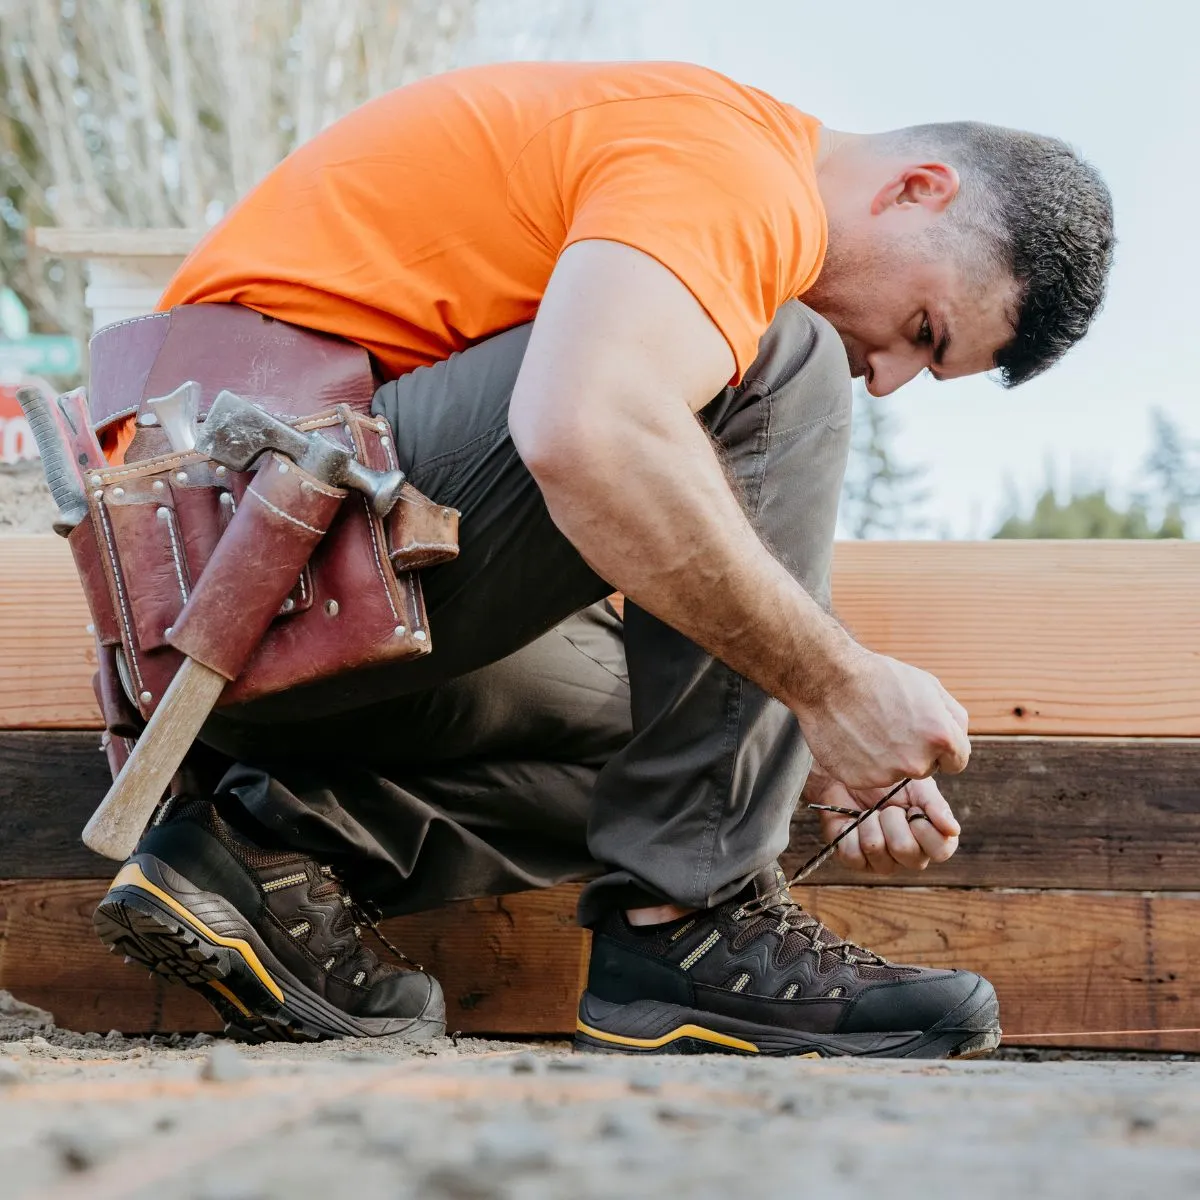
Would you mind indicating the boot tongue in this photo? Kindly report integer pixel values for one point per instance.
(770, 881)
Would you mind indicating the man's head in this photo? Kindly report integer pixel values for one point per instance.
(960, 248)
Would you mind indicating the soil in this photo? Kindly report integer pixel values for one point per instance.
(86, 1115)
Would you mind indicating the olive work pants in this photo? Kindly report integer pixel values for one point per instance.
(544, 740)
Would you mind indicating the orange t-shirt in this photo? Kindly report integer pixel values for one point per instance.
(432, 217)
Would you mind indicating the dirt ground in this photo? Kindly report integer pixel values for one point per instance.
(94, 1116)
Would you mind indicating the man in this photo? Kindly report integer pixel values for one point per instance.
(673, 425)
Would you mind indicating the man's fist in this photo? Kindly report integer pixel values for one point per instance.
(879, 720)
(889, 840)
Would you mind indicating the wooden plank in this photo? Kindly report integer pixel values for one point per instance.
(49, 784)
(1065, 963)
(115, 243)
(47, 657)
(1107, 813)
(1097, 637)
(1069, 813)
(1058, 638)
(507, 963)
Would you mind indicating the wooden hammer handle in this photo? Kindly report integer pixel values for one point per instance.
(116, 826)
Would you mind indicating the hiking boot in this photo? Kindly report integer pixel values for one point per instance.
(759, 975)
(271, 940)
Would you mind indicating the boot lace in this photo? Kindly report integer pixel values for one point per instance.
(792, 918)
(368, 915)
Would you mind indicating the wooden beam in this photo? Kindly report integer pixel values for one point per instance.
(1071, 964)
(1106, 813)
(1054, 637)
(1063, 812)
(1065, 963)
(1058, 638)
(115, 243)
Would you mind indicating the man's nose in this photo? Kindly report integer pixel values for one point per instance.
(890, 371)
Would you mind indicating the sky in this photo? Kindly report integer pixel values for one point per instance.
(1118, 81)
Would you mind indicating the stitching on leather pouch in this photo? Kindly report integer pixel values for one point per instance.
(372, 521)
(176, 555)
(286, 516)
(126, 618)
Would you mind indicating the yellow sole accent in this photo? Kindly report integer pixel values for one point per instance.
(684, 1031)
(218, 986)
(133, 875)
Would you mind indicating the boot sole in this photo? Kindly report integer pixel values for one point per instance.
(972, 1030)
(171, 931)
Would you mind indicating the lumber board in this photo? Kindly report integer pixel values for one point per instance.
(507, 963)
(1107, 813)
(1066, 963)
(1070, 964)
(1052, 638)
(1071, 812)
(1048, 637)
(115, 243)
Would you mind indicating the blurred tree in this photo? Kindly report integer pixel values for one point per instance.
(1087, 515)
(881, 497)
(1169, 488)
(137, 113)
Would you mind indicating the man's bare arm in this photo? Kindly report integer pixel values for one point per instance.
(621, 358)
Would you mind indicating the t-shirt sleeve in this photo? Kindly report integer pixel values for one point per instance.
(704, 189)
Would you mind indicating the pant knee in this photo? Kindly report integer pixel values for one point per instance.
(802, 363)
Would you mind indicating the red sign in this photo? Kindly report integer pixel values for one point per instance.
(16, 438)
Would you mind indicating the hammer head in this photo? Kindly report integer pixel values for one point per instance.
(236, 432)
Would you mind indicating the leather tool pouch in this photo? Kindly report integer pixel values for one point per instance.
(155, 520)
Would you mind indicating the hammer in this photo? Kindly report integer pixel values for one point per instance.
(285, 512)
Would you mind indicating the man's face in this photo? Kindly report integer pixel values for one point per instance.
(893, 283)
(903, 313)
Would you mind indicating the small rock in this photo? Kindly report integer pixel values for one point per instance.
(525, 1064)
(201, 1039)
(114, 1035)
(642, 1082)
(224, 1064)
(513, 1146)
(460, 1183)
(620, 1125)
(10, 1072)
(79, 1148)
(568, 1064)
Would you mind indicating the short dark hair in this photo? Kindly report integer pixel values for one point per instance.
(1047, 217)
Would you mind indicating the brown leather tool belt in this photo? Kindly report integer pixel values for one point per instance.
(155, 520)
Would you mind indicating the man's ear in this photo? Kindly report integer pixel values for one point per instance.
(932, 185)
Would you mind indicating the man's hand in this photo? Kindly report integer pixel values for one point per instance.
(883, 720)
(889, 840)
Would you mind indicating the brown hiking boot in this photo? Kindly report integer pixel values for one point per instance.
(759, 975)
(271, 940)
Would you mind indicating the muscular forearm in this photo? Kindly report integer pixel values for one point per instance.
(645, 501)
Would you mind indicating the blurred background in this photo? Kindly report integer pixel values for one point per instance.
(160, 113)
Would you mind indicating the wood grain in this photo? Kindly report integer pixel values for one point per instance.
(1085, 638)
(507, 963)
(1070, 812)
(1105, 813)
(1063, 962)
(1097, 637)
(115, 243)
(47, 657)
(1066, 963)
